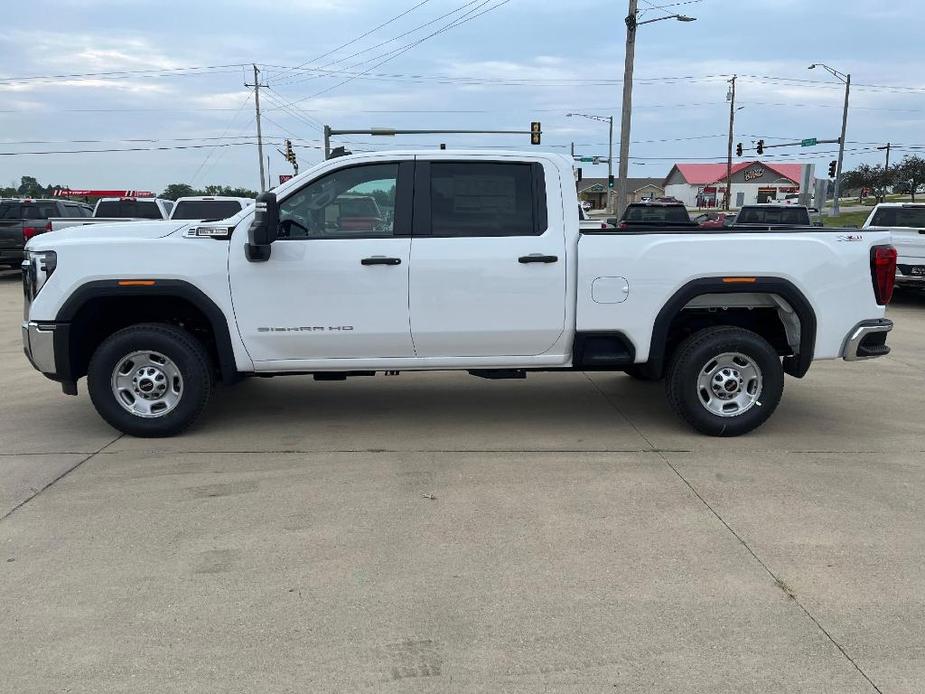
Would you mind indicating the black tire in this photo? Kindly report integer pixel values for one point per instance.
(695, 353)
(641, 372)
(187, 354)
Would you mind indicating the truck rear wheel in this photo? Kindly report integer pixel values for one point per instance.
(150, 380)
(725, 381)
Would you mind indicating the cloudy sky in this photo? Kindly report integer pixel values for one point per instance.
(116, 75)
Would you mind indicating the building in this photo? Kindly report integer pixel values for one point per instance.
(594, 190)
(704, 185)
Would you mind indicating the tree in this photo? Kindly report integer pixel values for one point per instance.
(910, 173)
(179, 190)
(29, 187)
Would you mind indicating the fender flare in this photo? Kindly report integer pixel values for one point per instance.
(796, 365)
(166, 288)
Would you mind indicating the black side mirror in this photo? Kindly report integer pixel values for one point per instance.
(263, 229)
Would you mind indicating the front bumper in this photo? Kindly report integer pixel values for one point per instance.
(867, 340)
(46, 348)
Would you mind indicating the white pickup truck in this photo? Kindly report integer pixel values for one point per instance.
(906, 223)
(472, 261)
(112, 210)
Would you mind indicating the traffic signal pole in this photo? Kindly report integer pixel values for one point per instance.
(841, 147)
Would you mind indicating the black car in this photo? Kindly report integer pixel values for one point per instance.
(20, 220)
(656, 213)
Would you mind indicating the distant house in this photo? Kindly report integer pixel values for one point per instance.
(704, 185)
(594, 190)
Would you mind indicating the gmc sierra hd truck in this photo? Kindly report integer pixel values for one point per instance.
(474, 262)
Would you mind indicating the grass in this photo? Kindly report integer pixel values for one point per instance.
(846, 219)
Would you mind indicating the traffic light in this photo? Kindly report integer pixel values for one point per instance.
(535, 132)
(760, 148)
(739, 150)
(578, 173)
(833, 165)
(290, 155)
(610, 181)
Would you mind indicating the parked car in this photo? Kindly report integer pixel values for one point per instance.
(774, 215)
(714, 220)
(496, 279)
(110, 210)
(655, 213)
(21, 219)
(208, 207)
(906, 224)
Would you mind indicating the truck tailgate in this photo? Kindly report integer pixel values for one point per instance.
(909, 243)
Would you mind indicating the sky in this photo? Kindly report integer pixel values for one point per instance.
(167, 74)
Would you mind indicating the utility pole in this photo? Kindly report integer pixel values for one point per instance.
(886, 168)
(841, 148)
(610, 168)
(732, 115)
(256, 85)
(626, 114)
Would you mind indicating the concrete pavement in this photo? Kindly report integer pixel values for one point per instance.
(579, 539)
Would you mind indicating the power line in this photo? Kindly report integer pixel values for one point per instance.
(124, 74)
(351, 41)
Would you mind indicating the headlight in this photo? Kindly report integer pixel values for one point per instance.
(36, 269)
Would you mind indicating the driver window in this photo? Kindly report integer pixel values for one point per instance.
(358, 202)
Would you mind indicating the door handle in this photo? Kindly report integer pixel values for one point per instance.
(380, 260)
(537, 258)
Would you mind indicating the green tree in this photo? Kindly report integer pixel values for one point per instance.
(910, 174)
(179, 190)
(29, 187)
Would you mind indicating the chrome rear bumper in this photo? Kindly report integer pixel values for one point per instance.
(867, 340)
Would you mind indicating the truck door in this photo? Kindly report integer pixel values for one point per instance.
(488, 265)
(336, 283)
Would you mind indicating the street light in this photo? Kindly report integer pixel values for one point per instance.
(632, 22)
(844, 125)
(609, 121)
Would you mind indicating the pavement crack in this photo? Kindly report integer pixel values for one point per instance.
(60, 477)
(778, 581)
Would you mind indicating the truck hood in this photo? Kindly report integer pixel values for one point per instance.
(104, 232)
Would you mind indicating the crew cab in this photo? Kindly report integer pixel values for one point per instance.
(203, 207)
(126, 209)
(21, 219)
(481, 267)
(906, 224)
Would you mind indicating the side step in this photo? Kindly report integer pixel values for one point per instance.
(498, 374)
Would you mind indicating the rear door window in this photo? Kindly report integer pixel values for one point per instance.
(913, 217)
(476, 199)
(39, 210)
(656, 213)
(774, 215)
(9, 210)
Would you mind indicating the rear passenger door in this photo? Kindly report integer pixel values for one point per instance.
(488, 265)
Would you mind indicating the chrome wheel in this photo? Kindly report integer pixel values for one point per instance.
(147, 384)
(729, 384)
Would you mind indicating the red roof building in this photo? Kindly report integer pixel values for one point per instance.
(704, 185)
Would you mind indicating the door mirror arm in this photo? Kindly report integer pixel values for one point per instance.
(263, 229)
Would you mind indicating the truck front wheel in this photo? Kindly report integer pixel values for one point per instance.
(150, 380)
(725, 381)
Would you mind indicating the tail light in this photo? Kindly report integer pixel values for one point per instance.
(883, 272)
(29, 232)
(623, 225)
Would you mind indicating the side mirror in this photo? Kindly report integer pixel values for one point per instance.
(263, 229)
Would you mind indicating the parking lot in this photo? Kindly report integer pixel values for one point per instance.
(435, 532)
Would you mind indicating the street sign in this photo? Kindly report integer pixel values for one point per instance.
(808, 142)
(284, 177)
(586, 160)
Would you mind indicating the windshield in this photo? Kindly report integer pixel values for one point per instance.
(773, 215)
(656, 213)
(899, 217)
(206, 209)
(126, 209)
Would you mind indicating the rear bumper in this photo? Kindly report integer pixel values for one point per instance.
(45, 346)
(904, 276)
(867, 340)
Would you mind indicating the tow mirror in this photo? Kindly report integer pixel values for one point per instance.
(263, 229)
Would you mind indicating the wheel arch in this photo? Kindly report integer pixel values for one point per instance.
(796, 364)
(100, 301)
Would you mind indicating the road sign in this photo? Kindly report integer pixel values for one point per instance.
(586, 160)
(284, 177)
(808, 142)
